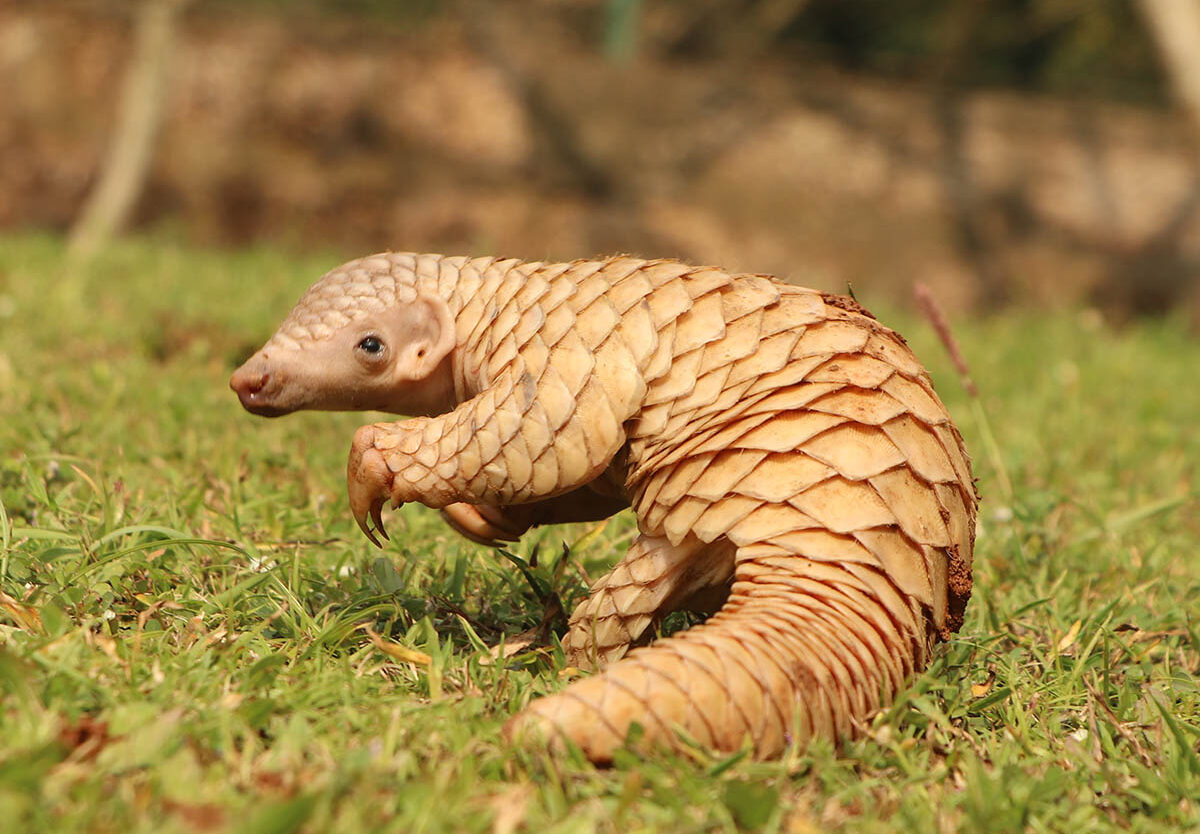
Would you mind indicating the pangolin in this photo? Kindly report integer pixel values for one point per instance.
(789, 464)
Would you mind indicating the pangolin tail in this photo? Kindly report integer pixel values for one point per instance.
(803, 648)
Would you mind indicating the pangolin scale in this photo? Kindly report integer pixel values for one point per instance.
(789, 463)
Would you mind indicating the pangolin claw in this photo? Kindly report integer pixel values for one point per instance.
(369, 481)
(377, 517)
(484, 525)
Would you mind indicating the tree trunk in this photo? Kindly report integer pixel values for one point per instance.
(1175, 25)
(131, 149)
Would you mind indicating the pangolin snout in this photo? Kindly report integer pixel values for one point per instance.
(252, 384)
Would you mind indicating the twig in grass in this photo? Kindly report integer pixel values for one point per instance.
(1124, 733)
(539, 588)
(937, 318)
(443, 605)
(290, 543)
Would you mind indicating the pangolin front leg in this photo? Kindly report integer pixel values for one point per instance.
(505, 446)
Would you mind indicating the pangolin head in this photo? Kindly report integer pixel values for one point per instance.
(361, 338)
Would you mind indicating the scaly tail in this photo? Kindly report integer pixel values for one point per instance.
(803, 648)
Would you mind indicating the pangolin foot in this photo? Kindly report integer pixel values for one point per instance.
(483, 524)
(370, 483)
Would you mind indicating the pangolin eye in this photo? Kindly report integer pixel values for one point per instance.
(371, 345)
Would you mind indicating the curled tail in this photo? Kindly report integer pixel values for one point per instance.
(802, 649)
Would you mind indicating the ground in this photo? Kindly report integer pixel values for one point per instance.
(195, 637)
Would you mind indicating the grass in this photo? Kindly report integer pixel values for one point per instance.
(184, 598)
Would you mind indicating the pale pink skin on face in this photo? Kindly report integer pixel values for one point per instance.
(397, 360)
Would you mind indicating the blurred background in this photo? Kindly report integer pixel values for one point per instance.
(1027, 152)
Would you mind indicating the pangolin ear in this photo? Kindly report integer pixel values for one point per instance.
(427, 337)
